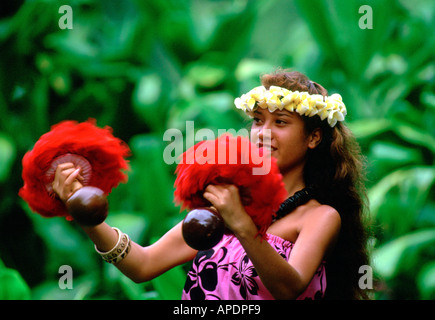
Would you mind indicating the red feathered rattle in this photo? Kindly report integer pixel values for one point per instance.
(101, 158)
(226, 160)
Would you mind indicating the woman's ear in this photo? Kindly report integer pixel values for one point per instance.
(315, 138)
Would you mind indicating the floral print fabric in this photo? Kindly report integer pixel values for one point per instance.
(226, 273)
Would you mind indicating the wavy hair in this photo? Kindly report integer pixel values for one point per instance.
(336, 169)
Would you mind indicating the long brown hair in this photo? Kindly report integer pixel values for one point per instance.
(335, 168)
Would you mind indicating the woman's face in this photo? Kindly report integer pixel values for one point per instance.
(288, 140)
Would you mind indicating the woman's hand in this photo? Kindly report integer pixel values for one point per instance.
(226, 200)
(67, 180)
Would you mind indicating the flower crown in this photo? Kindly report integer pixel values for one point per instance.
(331, 108)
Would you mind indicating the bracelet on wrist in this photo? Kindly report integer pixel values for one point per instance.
(119, 251)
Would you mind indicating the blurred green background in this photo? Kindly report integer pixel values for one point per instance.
(142, 67)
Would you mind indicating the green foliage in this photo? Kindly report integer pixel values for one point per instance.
(7, 156)
(12, 285)
(145, 66)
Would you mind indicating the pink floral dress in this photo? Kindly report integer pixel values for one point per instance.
(226, 273)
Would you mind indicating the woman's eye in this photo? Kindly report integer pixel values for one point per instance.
(281, 122)
(256, 120)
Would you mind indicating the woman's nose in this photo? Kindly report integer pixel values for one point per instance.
(265, 132)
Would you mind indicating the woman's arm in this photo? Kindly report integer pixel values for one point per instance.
(144, 263)
(169, 251)
(288, 280)
(141, 263)
(284, 280)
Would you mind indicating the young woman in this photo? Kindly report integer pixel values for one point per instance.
(313, 251)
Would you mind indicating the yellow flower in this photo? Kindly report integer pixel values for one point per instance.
(250, 104)
(316, 103)
(273, 101)
(276, 91)
(258, 93)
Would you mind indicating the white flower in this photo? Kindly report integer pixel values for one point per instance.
(331, 108)
(239, 104)
(303, 107)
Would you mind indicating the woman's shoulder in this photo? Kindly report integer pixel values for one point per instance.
(315, 210)
(320, 214)
(307, 216)
(321, 224)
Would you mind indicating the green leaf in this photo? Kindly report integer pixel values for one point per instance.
(251, 68)
(145, 101)
(135, 291)
(428, 98)
(206, 75)
(364, 129)
(152, 179)
(417, 179)
(426, 281)
(335, 27)
(397, 199)
(415, 136)
(82, 288)
(7, 156)
(402, 252)
(170, 284)
(12, 285)
(392, 153)
(135, 224)
(64, 243)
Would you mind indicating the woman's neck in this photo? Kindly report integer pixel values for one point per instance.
(293, 181)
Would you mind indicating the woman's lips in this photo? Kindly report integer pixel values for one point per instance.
(268, 147)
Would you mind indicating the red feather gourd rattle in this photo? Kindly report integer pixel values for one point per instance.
(101, 158)
(226, 160)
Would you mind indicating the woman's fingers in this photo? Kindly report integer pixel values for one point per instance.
(80, 177)
(67, 180)
(210, 197)
(64, 166)
(72, 175)
(226, 199)
(222, 197)
(65, 169)
(213, 194)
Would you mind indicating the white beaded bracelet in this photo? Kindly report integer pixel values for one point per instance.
(119, 251)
